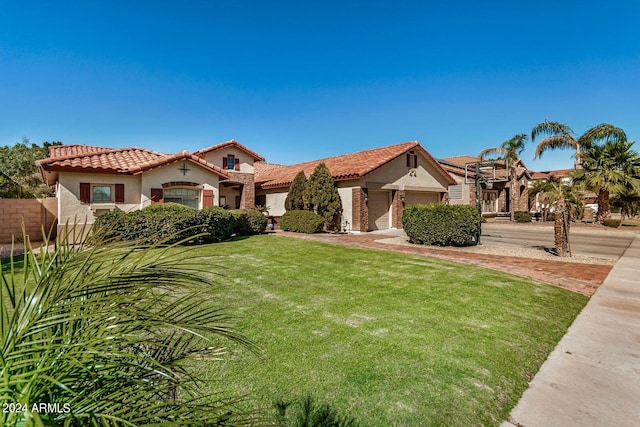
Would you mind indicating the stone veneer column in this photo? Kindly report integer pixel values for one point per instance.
(248, 195)
(359, 209)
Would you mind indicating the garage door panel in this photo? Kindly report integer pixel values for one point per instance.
(378, 204)
(420, 197)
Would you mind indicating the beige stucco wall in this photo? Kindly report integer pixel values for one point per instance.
(71, 211)
(346, 195)
(397, 176)
(154, 178)
(275, 200)
(215, 158)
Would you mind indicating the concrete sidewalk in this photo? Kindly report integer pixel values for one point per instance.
(592, 378)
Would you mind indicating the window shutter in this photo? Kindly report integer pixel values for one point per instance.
(119, 193)
(408, 160)
(237, 164)
(207, 198)
(157, 195)
(415, 161)
(224, 163)
(85, 192)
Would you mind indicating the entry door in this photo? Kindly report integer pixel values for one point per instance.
(379, 203)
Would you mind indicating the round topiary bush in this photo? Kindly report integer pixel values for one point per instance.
(302, 222)
(443, 225)
(249, 221)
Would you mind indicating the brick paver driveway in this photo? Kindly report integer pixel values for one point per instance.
(583, 278)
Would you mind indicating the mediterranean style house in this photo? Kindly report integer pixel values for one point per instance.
(374, 185)
(495, 197)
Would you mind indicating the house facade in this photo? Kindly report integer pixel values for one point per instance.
(495, 195)
(374, 185)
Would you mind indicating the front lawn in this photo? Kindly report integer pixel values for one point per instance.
(386, 338)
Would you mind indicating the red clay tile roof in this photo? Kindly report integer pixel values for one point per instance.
(343, 167)
(558, 173)
(230, 143)
(78, 158)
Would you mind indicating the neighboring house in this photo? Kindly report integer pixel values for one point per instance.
(495, 198)
(589, 198)
(374, 185)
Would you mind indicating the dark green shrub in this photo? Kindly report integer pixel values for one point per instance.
(522, 216)
(169, 223)
(322, 197)
(302, 222)
(439, 224)
(295, 196)
(216, 222)
(249, 221)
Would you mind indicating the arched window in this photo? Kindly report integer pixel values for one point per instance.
(184, 196)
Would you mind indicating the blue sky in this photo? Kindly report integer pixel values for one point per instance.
(298, 80)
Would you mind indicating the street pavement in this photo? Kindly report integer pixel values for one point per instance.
(584, 240)
(592, 378)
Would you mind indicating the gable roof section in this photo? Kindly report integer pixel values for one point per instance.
(132, 161)
(456, 166)
(230, 143)
(343, 167)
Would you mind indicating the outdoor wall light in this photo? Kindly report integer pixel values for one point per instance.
(366, 198)
(402, 198)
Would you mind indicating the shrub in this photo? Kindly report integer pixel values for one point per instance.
(295, 197)
(218, 223)
(302, 222)
(322, 196)
(249, 221)
(611, 222)
(439, 224)
(522, 216)
(166, 222)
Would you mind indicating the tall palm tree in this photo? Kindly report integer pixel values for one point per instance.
(609, 169)
(510, 151)
(561, 136)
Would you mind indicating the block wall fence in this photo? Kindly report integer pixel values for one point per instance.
(35, 213)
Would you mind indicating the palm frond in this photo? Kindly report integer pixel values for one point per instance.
(552, 129)
(554, 143)
(603, 132)
(105, 328)
(485, 154)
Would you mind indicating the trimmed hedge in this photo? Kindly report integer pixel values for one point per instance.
(249, 221)
(440, 224)
(302, 222)
(167, 222)
(522, 216)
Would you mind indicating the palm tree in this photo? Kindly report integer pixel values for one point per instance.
(510, 151)
(566, 201)
(561, 136)
(103, 331)
(629, 203)
(609, 169)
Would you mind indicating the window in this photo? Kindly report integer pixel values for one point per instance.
(184, 196)
(261, 201)
(101, 193)
(231, 162)
(412, 159)
(223, 201)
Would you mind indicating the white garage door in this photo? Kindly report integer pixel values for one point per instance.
(378, 204)
(420, 197)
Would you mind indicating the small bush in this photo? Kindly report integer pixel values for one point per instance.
(439, 224)
(218, 223)
(249, 221)
(611, 222)
(302, 222)
(522, 216)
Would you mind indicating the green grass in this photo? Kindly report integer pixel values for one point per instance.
(386, 338)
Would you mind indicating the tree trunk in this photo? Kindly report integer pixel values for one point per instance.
(512, 198)
(604, 207)
(559, 228)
